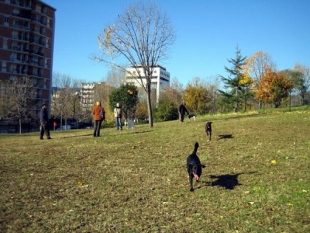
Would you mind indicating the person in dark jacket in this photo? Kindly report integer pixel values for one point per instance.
(99, 116)
(44, 125)
(182, 111)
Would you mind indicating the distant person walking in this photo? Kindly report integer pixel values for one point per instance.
(118, 116)
(99, 116)
(182, 110)
(44, 124)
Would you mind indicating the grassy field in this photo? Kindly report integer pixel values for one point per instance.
(136, 181)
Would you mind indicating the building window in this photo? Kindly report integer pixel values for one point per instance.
(3, 66)
(6, 21)
(5, 43)
(15, 35)
(38, 8)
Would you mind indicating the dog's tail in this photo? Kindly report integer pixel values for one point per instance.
(195, 148)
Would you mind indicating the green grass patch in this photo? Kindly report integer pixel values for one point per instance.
(135, 180)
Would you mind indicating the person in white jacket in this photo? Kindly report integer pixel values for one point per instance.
(118, 116)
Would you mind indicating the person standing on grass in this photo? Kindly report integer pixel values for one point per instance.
(182, 110)
(99, 116)
(44, 125)
(118, 116)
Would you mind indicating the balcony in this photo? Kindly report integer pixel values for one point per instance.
(21, 4)
(21, 15)
(39, 20)
(37, 41)
(20, 38)
(19, 61)
(21, 27)
(19, 48)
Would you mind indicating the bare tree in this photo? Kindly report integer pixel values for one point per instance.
(302, 84)
(212, 87)
(20, 95)
(115, 77)
(175, 91)
(142, 35)
(65, 98)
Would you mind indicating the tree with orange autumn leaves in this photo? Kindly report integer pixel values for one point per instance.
(273, 87)
(255, 66)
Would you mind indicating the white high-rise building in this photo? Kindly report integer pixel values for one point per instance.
(160, 78)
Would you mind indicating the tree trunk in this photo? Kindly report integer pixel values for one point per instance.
(236, 105)
(290, 103)
(149, 105)
(302, 99)
(260, 104)
(20, 125)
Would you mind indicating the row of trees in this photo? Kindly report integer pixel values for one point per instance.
(255, 80)
(18, 102)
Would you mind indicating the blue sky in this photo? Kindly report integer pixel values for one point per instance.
(208, 32)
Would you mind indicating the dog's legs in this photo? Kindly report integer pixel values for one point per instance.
(190, 177)
(209, 134)
(191, 182)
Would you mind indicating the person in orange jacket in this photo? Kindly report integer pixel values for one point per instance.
(99, 116)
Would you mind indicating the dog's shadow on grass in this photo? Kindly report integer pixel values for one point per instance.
(224, 136)
(227, 181)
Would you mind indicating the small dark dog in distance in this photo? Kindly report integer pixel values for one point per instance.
(209, 129)
(194, 167)
(192, 116)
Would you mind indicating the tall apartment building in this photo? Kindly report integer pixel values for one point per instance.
(87, 96)
(27, 29)
(92, 92)
(159, 82)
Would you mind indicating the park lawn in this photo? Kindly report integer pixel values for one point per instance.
(135, 180)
